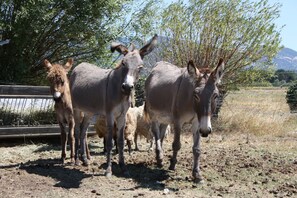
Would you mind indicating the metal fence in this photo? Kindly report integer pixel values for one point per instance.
(27, 111)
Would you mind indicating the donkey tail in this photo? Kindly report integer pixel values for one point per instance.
(146, 115)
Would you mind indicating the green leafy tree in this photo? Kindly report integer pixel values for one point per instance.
(239, 31)
(283, 75)
(56, 30)
(259, 74)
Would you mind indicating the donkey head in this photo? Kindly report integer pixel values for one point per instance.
(205, 93)
(57, 75)
(132, 62)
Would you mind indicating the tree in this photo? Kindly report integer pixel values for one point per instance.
(258, 74)
(239, 31)
(283, 75)
(57, 30)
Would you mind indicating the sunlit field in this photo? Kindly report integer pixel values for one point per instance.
(257, 111)
(252, 152)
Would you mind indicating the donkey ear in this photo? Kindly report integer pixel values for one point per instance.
(131, 47)
(68, 65)
(149, 46)
(192, 70)
(217, 74)
(47, 64)
(119, 48)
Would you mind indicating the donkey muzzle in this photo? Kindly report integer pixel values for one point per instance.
(127, 88)
(57, 96)
(205, 132)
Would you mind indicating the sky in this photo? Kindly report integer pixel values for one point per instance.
(288, 19)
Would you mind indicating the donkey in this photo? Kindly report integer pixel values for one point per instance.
(97, 91)
(59, 88)
(177, 96)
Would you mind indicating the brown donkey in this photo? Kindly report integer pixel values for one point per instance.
(59, 87)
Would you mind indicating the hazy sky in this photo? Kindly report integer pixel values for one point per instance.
(288, 17)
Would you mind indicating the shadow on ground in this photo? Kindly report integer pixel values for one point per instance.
(66, 177)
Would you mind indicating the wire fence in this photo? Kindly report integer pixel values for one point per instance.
(26, 112)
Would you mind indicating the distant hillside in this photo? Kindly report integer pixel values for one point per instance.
(286, 59)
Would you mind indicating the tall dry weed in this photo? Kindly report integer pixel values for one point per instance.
(257, 111)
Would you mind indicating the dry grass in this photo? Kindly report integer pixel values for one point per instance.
(264, 166)
(257, 111)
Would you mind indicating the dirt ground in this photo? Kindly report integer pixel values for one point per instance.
(232, 165)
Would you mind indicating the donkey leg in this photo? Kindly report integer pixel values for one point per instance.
(87, 148)
(163, 128)
(129, 143)
(71, 137)
(121, 121)
(104, 145)
(108, 139)
(176, 145)
(83, 139)
(135, 141)
(63, 142)
(77, 120)
(159, 150)
(196, 153)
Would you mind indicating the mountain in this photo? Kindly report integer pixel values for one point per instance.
(286, 59)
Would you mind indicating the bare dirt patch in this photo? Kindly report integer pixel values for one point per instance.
(231, 166)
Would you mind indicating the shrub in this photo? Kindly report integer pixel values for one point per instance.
(292, 97)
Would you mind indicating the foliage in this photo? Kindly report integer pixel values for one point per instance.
(57, 30)
(139, 92)
(239, 31)
(292, 97)
(259, 74)
(35, 118)
(285, 76)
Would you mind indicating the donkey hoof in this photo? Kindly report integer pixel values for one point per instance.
(159, 163)
(172, 167)
(108, 174)
(77, 162)
(72, 162)
(85, 162)
(198, 180)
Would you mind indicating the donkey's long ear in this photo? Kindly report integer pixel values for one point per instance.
(68, 65)
(119, 48)
(47, 64)
(193, 71)
(217, 74)
(149, 46)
